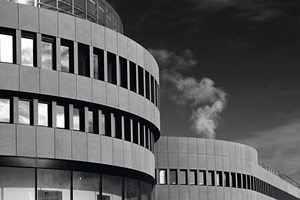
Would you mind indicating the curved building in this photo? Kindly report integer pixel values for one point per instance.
(194, 168)
(79, 108)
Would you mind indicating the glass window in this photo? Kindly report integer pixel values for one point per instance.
(244, 181)
(173, 176)
(147, 85)
(152, 90)
(162, 176)
(142, 135)
(76, 119)
(226, 179)
(141, 81)
(48, 54)
(43, 114)
(111, 187)
(66, 56)
(239, 180)
(135, 132)
(17, 183)
(111, 68)
(85, 186)
(183, 177)
(91, 121)
(49, 4)
(53, 184)
(132, 76)
(147, 138)
(65, 5)
(131, 189)
(211, 178)
(28, 49)
(202, 177)
(145, 191)
(98, 64)
(83, 60)
(156, 94)
(6, 48)
(79, 8)
(123, 70)
(127, 128)
(118, 126)
(92, 10)
(193, 177)
(107, 126)
(60, 117)
(233, 180)
(219, 180)
(24, 112)
(4, 110)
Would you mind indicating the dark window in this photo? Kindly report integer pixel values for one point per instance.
(152, 90)
(98, 64)
(66, 56)
(79, 8)
(65, 5)
(135, 131)
(7, 45)
(5, 108)
(48, 52)
(132, 77)
(226, 179)
(91, 10)
(118, 123)
(107, 124)
(147, 138)
(123, 70)
(141, 81)
(111, 68)
(244, 181)
(147, 85)
(202, 177)
(49, 4)
(193, 177)
(219, 178)
(233, 180)
(156, 94)
(28, 49)
(173, 176)
(85, 186)
(183, 177)
(142, 135)
(83, 60)
(239, 180)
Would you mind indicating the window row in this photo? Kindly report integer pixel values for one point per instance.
(124, 72)
(219, 179)
(46, 184)
(91, 119)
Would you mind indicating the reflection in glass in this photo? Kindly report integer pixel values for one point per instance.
(47, 52)
(17, 183)
(173, 176)
(131, 189)
(4, 110)
(193, 177)
(42, 114)
(202, 177)
(145, 191)
(60, 116)
(96, 67)
(85, 186)
(27, 51)
(6, 48)
(111, 187)
(24, 112)
(183, 177)
(65, 58)
(53, 184)
(76, 119)
(162, 176)
(91, 121)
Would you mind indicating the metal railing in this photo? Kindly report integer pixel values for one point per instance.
(97, 11)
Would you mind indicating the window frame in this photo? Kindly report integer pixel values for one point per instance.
(50, 40)
(10, 32)
(32, 36)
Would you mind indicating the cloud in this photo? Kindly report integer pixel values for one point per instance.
(205, 100)
(279, 148)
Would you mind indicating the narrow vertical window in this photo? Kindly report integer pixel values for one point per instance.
(211, 178)
(183, 177)
(98, 64)
(152, 90)
(60, 117)
(66, 56)
(244, 181)
(118, 124)
(24, 112)
(43, 111)
(226, 179)
(48, 52)
(141, 81)
(162, 176)
(111, 68)
(123, 70)
(4, 110)
(142, 135)
(202, 177)
(147, 85)
(147, 138)
(65, 5)
(91, 121)
(83, 60)
(193, 177)
(135, 131)
(156, 94)
(239, 180)
(127, 129)
(76, 119)
(173, 177)
(132, 76)
(233, 179)
(219, 178)
(91, 14)
(28, 50)
(7, 46)
(79, 8)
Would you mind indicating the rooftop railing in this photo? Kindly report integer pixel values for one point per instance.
(97, 11)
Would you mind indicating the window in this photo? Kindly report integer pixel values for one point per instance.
(65, 5)
(142, 135)
(219, 178)
(135, 131)
(48, 52)
(249, 182)
(79, 8)
(141, 81)
(91, 14)
(146, 189)
(111, 187)
(202, 177)
(118, 124)
(132, 77)
(83, 60)
(239, 180)
(233, 180)
(226, 179)
(28, 49)
(85, 186)
(193, 177)
(24, 112)
(66, 56)
(211, 178)
(111, 68)
(173, 176)
(244, 181)
(108, 124)
(123, 70)
(4, 110)
(131, 189)
(98, 64)
(91, 121)
(43, 112)
(7, 46)
(76, 119)
(60, 117)
(183, 177)
(147, 138)
(152, 90)
(162, 176)
(156, 94)
(147, 85)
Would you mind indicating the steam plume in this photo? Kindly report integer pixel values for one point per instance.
(205, 100)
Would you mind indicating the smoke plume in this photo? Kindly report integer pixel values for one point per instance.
(205, 100)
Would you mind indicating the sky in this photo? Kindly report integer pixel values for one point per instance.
(229, 69)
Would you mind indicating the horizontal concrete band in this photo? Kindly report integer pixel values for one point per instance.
(41, 163)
